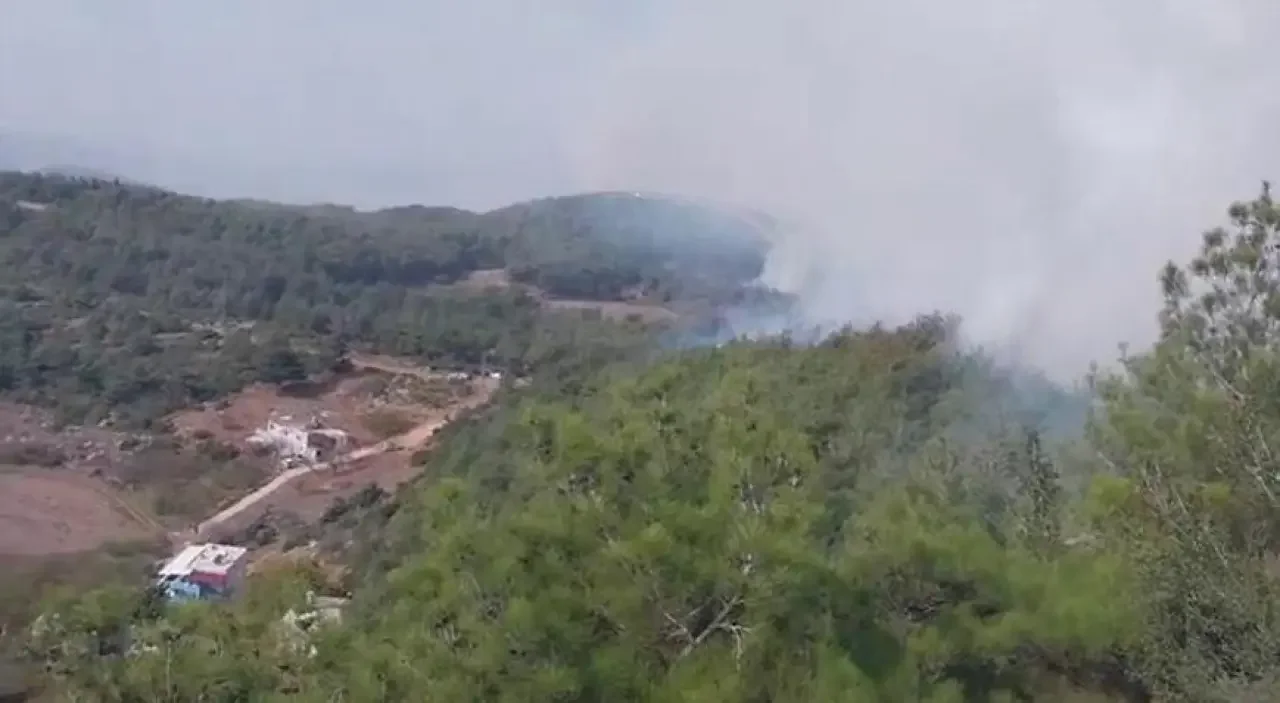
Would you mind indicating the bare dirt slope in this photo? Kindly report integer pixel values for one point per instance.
(50, 511)
(66, 490)
(336, 404)
(616, 310)
(57, 494)
(306, 491)
(357, 403)
(28, 436)
(491, 279)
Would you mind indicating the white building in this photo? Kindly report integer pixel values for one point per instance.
(203, 571)
(293, 444)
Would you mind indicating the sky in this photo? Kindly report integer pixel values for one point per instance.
(1027, 165)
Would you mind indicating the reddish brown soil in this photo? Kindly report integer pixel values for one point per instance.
(234, 419)
(489, 279)
(54, 511)
(60, 489)
(308, 496)
(341, 402)
(28, 433)
(615, 310)
(54, 494)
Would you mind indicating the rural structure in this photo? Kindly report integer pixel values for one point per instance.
(299, 444)
(203, 572)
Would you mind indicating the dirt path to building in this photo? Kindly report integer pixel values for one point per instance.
(413, 439)
(389, 365)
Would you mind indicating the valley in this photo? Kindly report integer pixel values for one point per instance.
(513, 455)
(76, 489)
(387, 462)
(158, 351)
(657, 352)
(135, 365)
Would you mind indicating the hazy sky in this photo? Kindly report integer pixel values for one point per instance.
(1027, 164)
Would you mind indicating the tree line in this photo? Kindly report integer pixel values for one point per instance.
(782, 522)
(124, 302)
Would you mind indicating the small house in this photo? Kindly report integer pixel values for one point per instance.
(326, 443)
(289, 442)
(204, 572)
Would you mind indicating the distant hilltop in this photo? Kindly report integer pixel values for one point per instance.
(55, 154)
(72, 171)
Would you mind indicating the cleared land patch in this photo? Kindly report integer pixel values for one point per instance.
(47, 512)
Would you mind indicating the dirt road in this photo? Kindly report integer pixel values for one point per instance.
(414, 439)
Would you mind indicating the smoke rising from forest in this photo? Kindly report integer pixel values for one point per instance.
(1028, 166)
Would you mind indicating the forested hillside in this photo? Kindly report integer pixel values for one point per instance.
(124, 302)
(767, 521)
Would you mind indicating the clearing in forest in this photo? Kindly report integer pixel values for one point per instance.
(58, 488)
(73, 489)
(49, 511)
(390, 409)
(493, 279)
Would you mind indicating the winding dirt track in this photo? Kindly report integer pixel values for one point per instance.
(414, 439)
(134, 512)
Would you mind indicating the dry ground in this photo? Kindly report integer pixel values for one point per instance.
(54, 511)
(336, 404)
(489, 279)
(56, 493)
(387, 464)
(357, 403)
(615, 310)
(28, 436)
(74, 489)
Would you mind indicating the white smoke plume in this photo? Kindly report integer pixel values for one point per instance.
(1026, 165)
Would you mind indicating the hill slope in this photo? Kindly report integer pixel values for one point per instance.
(770, 521)
(102, 282)
(758, 520)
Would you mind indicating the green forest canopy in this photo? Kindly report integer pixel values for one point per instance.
(123, 301)
(768, 522)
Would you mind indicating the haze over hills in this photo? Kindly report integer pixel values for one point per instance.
(492, 427)
(644, 519)
(613, 479)
(33, 152)
(988, 187)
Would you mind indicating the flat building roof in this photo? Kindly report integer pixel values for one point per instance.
(207, 558)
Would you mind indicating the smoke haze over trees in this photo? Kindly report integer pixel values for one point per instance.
(977, 158)
(770, 521)
(882, 506)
